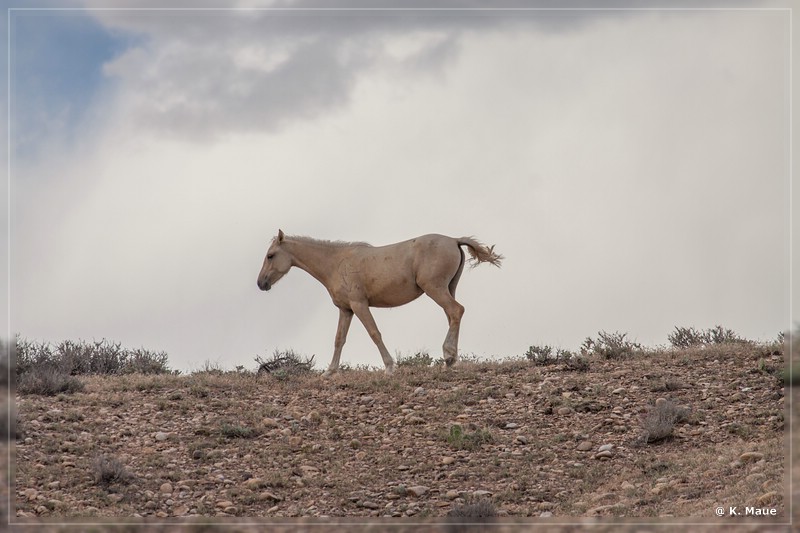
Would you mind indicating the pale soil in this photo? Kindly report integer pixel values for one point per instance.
(364, 446)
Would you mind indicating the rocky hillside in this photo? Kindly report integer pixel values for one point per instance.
(669, 433)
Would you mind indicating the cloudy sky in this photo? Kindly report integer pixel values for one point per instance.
(632, 165)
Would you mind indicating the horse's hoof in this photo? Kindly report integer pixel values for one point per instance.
(389, 370)
(328, 373)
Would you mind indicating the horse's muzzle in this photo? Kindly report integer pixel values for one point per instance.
(264, 284)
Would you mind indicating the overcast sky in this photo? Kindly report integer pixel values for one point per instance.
(633, 166)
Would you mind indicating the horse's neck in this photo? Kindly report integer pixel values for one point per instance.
(318, 259)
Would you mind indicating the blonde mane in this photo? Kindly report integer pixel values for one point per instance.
(323, 242)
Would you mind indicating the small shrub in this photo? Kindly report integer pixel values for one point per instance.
(232, 431)
(463, 440)
(480, 509)
(80, 358)
(610, 345)
(659, 420)
(421, 358)
(578, 363)
(284, 364)
(541, 355)
(141, 361)
(107, 469)
(684, 337)
(48, 381)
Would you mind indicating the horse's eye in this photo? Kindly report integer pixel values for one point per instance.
(270, 256)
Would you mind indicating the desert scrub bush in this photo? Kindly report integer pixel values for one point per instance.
(684, 337)
(540, 355)
(543, 355)
(420, 358)
(459, 439)
(81, 357)
(610, 345)
(286, 363)
(480, 509)
(659, 420)
(236, 431)
(48, 381)
(107, 469)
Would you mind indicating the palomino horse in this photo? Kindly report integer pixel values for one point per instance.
(359, 276)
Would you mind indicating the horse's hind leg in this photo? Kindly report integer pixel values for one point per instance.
(454, 312)
(365, 316)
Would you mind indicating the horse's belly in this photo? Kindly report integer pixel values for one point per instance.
(392, 294)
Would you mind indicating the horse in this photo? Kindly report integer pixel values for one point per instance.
(358, 276)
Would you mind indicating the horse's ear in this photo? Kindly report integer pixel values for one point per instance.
(280, 235)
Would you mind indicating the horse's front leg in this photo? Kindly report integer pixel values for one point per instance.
(365, 316)
(345, 316)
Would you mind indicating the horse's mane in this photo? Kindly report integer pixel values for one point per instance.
(323, 242)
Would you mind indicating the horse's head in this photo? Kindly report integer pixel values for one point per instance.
(276, 264)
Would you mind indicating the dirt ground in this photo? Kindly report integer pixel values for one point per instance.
(536, 445)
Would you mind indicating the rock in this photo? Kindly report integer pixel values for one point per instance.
(254, 483)
(451, 494)
(296, 441)
(309, 471)
(419, 391)
(270, 423)
(604, 509)
(31, 494)
(369, 504)
(618, 391)
(751, 456)
(418, 490)
(481, 493)
(545, 514)
(521, 439)
(606, 496)
(161, 436)
(564, 410)
(166, 488)
(355, 444)
(54, 485)
(224, 504)
(448, 460)
(605, 447)
(584, 446)
(767, 498)
(604, 455)
(360, 456)
(511, 425)
(267, 495)
(181, 510)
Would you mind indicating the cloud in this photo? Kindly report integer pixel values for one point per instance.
(626, 168)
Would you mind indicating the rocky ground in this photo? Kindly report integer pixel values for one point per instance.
(533, 443)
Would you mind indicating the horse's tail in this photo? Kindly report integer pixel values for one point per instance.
(480, 252)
